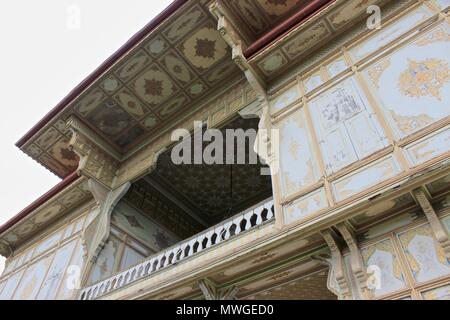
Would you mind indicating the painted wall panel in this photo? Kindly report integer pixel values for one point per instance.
(105, 264)
(413, 84)
(312, 82)
(71, 276)
(365, 178)
(337, 66)
(429, 148)
(130, 258)
(306, 206)
(390, 33)
(442, 4)
(298, 165)
(56, 271)
(48, 243)
(442, 293)
(142, 228)
(346, 126)
(11, 285)
(32, 279)
(383, 257)
(425, 256)
(285, 99)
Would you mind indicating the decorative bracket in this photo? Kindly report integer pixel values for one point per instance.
(5, 249)
(96, 234)
(94, 163)
(336, 275)
(212, 292)
(439, 231)
(357, 265)
(233, 38)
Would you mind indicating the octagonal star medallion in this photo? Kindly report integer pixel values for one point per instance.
(204, 48)
(154, 86)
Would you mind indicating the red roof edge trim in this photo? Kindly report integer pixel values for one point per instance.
(166, 13)
(39, 202)
(301, 15)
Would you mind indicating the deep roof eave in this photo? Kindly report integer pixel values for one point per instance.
(107, 64)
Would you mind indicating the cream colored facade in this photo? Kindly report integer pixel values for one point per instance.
(359, 203)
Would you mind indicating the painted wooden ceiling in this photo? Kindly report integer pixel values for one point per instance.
(310, 287)
(259, 16)
(179, 65)
(207, 188)
(177, 68)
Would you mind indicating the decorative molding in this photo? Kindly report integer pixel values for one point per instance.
(212, 292)
(439, 231)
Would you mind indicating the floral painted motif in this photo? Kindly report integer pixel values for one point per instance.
(376, 73)
(438, 35)
(426, 258)
(424, 78)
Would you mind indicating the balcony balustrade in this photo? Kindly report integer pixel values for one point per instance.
(205, 240)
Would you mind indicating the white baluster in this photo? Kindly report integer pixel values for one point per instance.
(248, 223)
(209, 235)
(237, 222)
(191, 247)
(159, 261)
(227, 229)
(219, 231)
(259, 218)
(270, 213)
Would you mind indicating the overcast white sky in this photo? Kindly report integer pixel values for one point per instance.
(42, 58)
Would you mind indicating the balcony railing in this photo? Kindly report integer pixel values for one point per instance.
(207, 239)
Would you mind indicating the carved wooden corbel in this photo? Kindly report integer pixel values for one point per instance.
(236, 41)
(5, 249)
(95, 162)
(439, 231)
(96, 234)
(212, 292)
(336, 265)
(357, 266)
